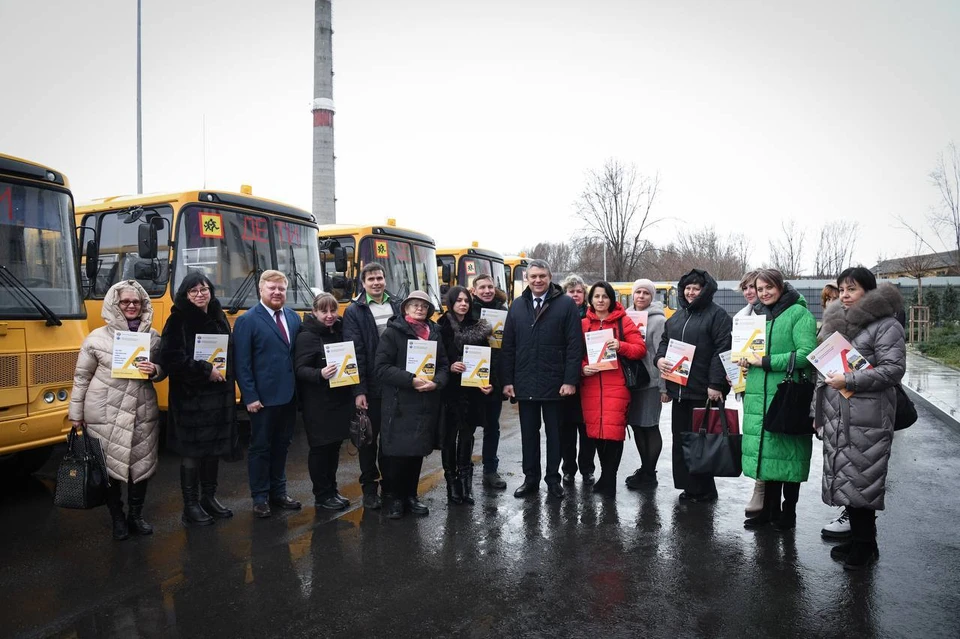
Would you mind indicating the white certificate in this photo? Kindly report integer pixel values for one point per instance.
(836, 355)
(679, 357)
(640, 319)
(598, 355)
(344, 355)
(497, 320)
(129, 349)
(212, 348)
(749, 336)
(422, 358)
(734, 373)
(477, 361)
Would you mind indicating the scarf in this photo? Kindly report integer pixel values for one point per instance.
(134, 325)
(422, 329)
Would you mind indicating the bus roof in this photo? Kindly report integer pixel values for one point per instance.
(11, 165)
(387, 230)
(516, 259)
(471, 250)
(202, 197)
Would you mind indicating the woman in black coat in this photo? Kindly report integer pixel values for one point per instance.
(410, 408)
(326, 411)
(464, 406)
(202, 408)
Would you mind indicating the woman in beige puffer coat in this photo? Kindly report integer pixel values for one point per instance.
(121, 413)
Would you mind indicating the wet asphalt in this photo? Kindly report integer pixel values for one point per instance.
(639, 565)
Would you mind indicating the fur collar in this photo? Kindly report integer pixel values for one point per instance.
(884, 301)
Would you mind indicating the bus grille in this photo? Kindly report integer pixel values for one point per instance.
(53, 368)
(10, 371)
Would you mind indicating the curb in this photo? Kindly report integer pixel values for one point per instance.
(942, 415)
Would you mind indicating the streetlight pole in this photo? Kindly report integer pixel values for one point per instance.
(139, 109)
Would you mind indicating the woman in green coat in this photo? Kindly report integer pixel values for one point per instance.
(781, 461)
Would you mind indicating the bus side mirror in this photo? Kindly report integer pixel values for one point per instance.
(339, 259)
(445, 273)
(147, 241)
(93, 259)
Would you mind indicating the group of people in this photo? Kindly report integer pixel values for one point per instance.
(279, 364)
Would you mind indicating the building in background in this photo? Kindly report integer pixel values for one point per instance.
(927, 265)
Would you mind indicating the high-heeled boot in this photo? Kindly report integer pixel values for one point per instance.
(209, 469)
(115, 506)
(136, 495)
(448, 457)
(755, 505)
(193, 513)
(465, 466)
(771, 507)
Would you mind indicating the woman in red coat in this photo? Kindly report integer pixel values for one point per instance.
(604, 394)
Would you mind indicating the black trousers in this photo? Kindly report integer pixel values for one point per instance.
(322, 462)
(401, 475)
(682, 418)
(569, 433)
(370, 454)
(530, 414)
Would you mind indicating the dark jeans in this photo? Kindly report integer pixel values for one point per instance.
(530, 414)
(610, 453)
(370, 454)
(271, 431)
(491, 433)
(682, 418)
(322, 462)
(568, 449)
(401, 475)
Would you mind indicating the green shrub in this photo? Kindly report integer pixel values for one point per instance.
(943, 345)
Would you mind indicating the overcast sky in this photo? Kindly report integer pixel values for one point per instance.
(479, 120)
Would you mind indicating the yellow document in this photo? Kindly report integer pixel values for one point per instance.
(477, 361)
(344, 355)
(496, 319)
(212, 348)
(749, 337)
(422, 358)
(129, 349)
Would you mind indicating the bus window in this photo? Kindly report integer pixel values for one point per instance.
(395, 257)
(341, 284)
(499, 276)
(119, 260)
(228, 247)
(445, 261)
(425, 273)
(470, 267)
(298, 258)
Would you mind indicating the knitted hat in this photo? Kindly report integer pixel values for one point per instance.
(647, 284)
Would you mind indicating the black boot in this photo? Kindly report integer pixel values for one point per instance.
(394, 506)
(136, 495)
(863, 530)
(448, 457)
(465, 466)
(115, 506)
(209, 469)
(193, 513)
(771, 507)
(466, 483)
(788, 514)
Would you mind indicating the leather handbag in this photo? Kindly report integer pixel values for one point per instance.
(361, 429)
(82, 478)
(906, 411)
(716, 454)
(635, 375)
(710, 415)
(789, 411)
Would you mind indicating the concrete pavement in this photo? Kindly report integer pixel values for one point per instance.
(935, 386)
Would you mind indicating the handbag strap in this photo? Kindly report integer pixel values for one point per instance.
(792, 365)
(723, 417)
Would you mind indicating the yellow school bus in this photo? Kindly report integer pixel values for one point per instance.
(42, 319)
(666, 293)
(515, 267)
(230, 237)
(408, 257)
(458, 266)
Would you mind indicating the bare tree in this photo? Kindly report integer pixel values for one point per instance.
(946, 177)
(561, 256)
(616, 206)
(786, 254)
(917, 266)
(835, 250)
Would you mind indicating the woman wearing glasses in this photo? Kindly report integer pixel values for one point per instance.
(202, 414)
(121, 412)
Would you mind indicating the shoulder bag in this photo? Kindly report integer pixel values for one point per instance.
(635, 374)
(906, 411)
(718, 454)
(82, 478)
(789, 411)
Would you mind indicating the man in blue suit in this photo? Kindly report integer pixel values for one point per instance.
(264, 338)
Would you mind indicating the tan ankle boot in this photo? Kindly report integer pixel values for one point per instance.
(755, 506)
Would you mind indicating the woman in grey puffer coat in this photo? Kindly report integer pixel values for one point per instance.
(858, 432)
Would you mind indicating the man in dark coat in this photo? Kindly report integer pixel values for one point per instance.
(363, 323)
(541, 355)
(486, 295)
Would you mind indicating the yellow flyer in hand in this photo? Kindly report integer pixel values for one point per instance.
(129, 349)
(477, 361)
(422, 358)
(738, 381)
(749, 336)
(598, 354)
(496, 319)
(344, 355)
(212, 348)
(640, 319)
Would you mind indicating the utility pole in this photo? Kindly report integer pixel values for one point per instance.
(324, 201)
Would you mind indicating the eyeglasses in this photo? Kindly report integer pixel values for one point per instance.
(129, 302)
(422, 305)
(197, 292)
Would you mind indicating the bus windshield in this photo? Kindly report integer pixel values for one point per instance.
(36, 233)
(408, 266)
(473, 265)
(232, 248)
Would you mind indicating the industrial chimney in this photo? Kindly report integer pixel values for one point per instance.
(324, 202)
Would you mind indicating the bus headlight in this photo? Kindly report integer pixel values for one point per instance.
(62, 394)
(48, 397)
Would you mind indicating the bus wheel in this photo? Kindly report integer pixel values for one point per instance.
(25, 462)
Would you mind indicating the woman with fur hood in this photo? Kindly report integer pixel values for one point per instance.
(463, 406)
(122, 413)
(858, 431)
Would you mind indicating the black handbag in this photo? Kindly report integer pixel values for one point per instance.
(635, 374)
(719, 455)
(361, 429)
(82, 478)
(906, 411)
(789, 411)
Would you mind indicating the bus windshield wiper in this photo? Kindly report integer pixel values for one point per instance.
(248, 282)
(8, 279)
(298, 279)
